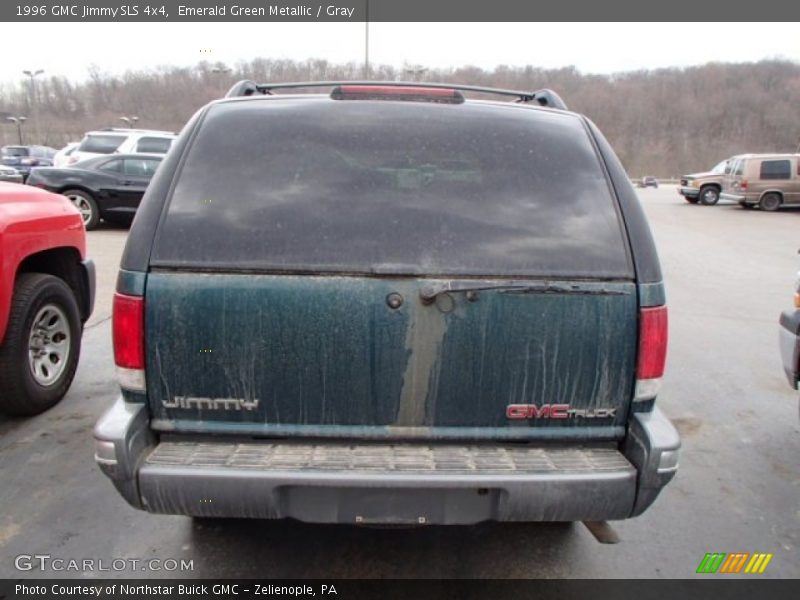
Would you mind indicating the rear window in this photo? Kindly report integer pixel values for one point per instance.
(14, 151)
(776, 169)
(393, 187)
(101, 144)
(140, 167)
(153, 145)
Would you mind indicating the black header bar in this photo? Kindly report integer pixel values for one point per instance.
(399, 11)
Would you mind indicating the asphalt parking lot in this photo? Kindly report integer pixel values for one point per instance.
(729, 273)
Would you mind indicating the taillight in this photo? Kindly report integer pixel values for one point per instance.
(652, 352)
(743, 184)
(128, 333)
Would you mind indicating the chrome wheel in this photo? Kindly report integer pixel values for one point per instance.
(83, 206)
(710, 196)
(770, 202)
(48, 345)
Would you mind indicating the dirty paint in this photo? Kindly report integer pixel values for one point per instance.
(327, 354)
(424, 336)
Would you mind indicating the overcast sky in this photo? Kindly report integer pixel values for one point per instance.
(69, 48)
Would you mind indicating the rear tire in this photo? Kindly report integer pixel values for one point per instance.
(770, 202)
(40, 352)
(709, 195)
(87, 206)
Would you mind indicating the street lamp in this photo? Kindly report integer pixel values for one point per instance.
(129, 121)
(18, 121)
(221, 70)
(416, 71)
(33, 74)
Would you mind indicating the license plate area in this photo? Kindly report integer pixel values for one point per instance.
(391, 506)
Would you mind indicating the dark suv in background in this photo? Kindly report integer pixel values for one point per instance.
(24, 158)
(389, 304)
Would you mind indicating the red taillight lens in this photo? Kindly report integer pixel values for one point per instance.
(128, 328)
(743, 184)
(652, 342)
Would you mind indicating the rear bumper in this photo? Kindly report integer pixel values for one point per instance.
(327, 482)
(789, 341)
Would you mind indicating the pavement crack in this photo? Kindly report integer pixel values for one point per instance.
(100, 322)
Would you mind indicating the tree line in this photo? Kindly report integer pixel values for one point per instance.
(661, 122)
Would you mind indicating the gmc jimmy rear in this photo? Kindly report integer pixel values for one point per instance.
(388, 303)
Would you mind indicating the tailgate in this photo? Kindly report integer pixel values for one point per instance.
(272, 355)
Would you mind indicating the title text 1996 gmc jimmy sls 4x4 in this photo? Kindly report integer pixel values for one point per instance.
(46, 295)
(389, 304)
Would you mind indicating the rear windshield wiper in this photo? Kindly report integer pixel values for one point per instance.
(428, 293)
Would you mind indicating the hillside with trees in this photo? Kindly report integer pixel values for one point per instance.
(662, 122)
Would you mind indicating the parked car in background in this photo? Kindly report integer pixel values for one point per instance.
(61, 159)
(46, 295)
(317, 294)
(10, 174)
(768, 181)
(790, 339)
(108, 187)
(24, 158)
(122, 141)
(704, 187)
(648, 181)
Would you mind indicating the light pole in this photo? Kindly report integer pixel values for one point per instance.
(18, 121)
(416, 71)
(221, 70)
(366, 40)
(129, 121)
(33, 75)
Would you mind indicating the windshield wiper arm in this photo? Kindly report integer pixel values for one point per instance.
(428, 293)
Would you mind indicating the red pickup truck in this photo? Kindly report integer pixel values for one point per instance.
(46, 295)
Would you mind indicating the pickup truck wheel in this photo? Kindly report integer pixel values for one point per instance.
(770, 202)
(709, 195)
(40, 352)
(87, 206)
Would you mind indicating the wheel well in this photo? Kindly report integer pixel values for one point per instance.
(778, 192)
(714, 185)
(64, 263)
(75, 186)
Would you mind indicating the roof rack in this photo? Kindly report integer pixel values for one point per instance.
(544, 97)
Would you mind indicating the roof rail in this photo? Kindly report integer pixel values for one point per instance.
(544, 97)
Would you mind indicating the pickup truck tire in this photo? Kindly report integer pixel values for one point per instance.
(709, 195)
(44, 318)
(87, 206)
(770, 202)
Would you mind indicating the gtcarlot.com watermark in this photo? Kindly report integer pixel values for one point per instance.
(47, 562)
